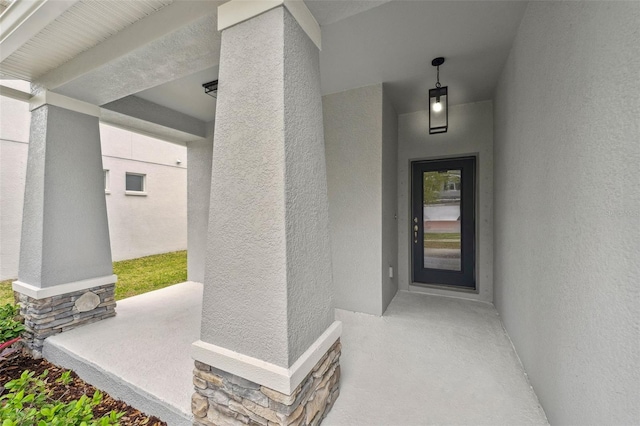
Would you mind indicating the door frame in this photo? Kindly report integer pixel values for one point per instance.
(415, 285)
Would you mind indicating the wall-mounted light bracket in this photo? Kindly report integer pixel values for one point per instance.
(211, 88)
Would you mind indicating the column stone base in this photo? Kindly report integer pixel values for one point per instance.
(224, 399)
(52, 315)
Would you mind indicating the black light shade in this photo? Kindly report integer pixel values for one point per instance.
(438, 103)
(211, 88)
(438, 110)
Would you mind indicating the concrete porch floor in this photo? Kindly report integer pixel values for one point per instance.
(428, 360)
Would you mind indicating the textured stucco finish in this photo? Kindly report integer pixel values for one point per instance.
(145, 127)
(65, 235)
(200, 154)
(361, 149)
(192, 48)
(142, 109)
(268, 289)
(310, 307)
(566, 208)
(389, 201)
(470, 133)
(353, 134)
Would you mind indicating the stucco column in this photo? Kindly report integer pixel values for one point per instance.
(269, 348)
(65, 276)
(199, 155)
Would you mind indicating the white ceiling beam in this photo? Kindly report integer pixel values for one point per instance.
(180, 129)
(26, 18)
(146, 128)
(46, 97)
(152, 113)
(156, 26)
(12, 93)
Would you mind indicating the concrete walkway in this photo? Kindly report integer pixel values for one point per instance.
(142, 355)
(428, 360)
(431, 361)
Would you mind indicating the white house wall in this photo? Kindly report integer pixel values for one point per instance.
(138, 225)
(567, 206)
(470, 133)
(13, 165)
(157, 222)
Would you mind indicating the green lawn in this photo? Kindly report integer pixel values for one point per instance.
(436, 236)
(6, 293)
(443, 241)
(135, 276)
(442, 244)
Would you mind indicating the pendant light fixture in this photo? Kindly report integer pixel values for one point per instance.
(438, 103)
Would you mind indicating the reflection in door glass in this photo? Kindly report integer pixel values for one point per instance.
(441, 214)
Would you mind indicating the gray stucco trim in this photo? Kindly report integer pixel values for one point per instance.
(65, 234)
(353, 125)
(200, 155)
(145, 110)
(42, 293)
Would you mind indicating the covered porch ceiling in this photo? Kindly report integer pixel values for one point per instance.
(145, 61)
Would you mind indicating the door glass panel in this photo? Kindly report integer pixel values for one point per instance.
(441, 215)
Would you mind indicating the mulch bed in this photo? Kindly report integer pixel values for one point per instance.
(12, 369)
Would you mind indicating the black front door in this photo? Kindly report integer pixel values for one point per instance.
(443, 222)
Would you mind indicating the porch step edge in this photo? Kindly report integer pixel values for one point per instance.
(115, 386)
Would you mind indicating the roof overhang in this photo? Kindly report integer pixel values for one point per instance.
(24, 19)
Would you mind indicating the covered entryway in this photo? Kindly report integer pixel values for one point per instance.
(302, 205)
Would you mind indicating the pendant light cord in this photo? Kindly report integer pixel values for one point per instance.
(438, 85)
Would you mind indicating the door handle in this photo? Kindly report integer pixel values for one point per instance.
(415, 231)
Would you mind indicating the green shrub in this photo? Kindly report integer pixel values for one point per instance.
(9, 327)
(29, 403)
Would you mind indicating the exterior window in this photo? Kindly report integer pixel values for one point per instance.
(107, 190)
(135, 184)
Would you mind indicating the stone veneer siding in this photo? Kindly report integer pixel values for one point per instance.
(53, 315)
(224, 399)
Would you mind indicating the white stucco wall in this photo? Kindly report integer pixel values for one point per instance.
(200, 154)
(567, 149)
(139, 226)
(353, 144)
(470, 133)
(361, 148)
(389, 201)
